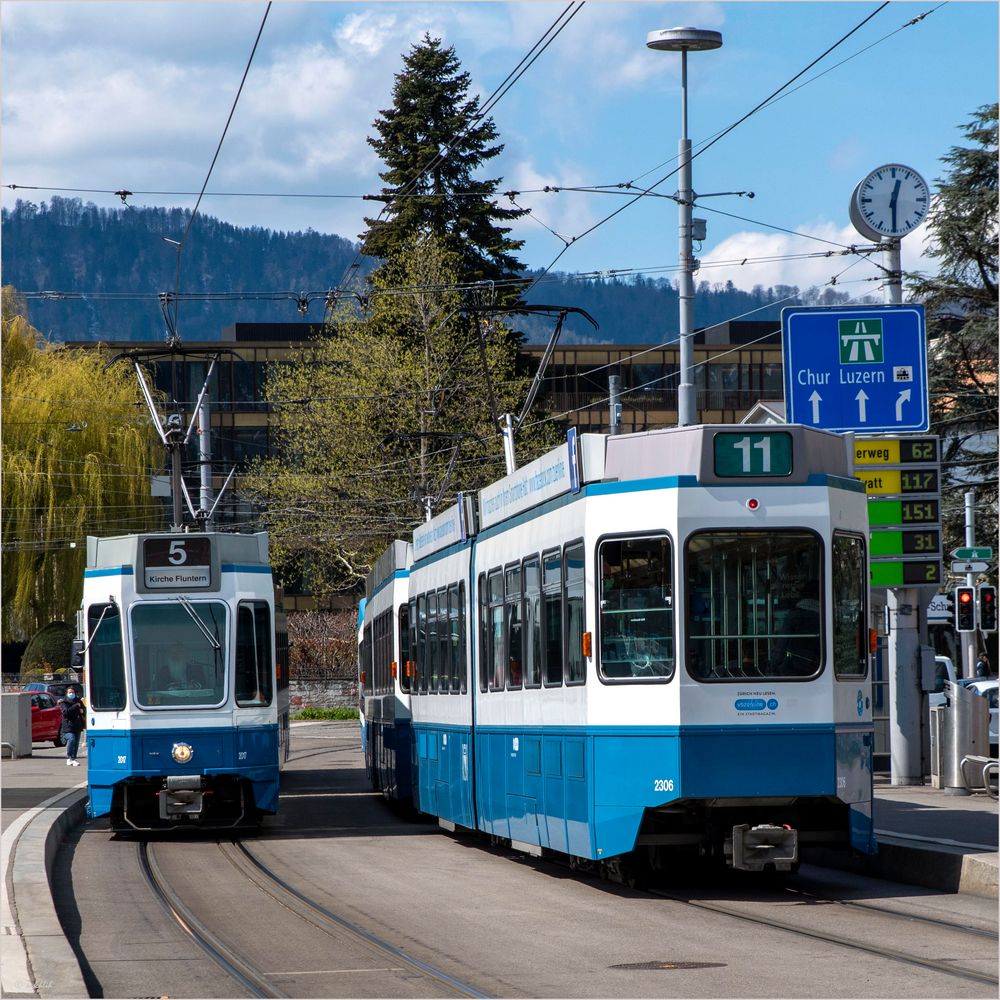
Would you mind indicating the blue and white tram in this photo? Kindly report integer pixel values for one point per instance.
(649, 643)
(383, 684)
(186, 658)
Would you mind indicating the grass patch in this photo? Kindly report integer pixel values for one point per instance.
(325, 713)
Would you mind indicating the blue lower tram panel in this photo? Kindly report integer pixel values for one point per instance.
(231, 778)
(592, 795)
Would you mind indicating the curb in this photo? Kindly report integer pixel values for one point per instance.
(943, 868)
(31, 881)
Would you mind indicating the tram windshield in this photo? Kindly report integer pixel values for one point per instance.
(754, 607)
(179, 651)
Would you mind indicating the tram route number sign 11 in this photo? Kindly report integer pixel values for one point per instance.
(902, 477)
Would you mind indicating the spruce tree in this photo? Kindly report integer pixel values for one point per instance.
(432, 140)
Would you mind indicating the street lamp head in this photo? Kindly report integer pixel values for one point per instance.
(683, 39)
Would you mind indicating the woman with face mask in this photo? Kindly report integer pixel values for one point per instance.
(74, 721)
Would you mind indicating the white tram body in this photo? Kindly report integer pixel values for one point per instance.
(648, 642)
(185, 651)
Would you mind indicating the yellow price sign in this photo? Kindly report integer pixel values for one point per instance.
(893, 482)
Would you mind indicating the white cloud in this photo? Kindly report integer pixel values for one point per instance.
(772, 258)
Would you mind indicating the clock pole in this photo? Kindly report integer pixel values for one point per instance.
(886, 205)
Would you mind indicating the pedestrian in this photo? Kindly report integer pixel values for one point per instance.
(74, 721)
(983, 665)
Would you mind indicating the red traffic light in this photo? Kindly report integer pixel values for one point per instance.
(965, 596)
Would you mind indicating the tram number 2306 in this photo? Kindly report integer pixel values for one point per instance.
(663, 784)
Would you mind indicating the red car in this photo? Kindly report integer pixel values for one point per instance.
(46, 719)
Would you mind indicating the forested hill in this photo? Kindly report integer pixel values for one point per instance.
(112, 263)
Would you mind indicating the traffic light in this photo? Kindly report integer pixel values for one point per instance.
(965, 609)
(987, 608)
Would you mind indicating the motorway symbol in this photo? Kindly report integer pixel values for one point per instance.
(856, 369)
(980, 552)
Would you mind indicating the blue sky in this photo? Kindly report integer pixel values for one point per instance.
(135, 95)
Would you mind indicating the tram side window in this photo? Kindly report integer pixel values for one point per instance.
(106, 686)
(753, 604)
(532, 623)
(253, 654)
(404, 647)
(455, 651)
(496, 636)
(411, 667)
(433, 646)
(512, 615)
(463, 670)
(850, 616)
(576, 665)
(552, 611)
(421, 657)
(366, 661)
(484, 644)
(636, 609)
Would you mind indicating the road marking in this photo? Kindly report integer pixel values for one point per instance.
(985, 848)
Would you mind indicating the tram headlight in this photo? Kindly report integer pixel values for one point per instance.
(752, 503)
(182, 753)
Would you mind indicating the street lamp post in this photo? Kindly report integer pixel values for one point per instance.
(685, 40)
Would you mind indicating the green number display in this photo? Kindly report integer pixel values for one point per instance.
(759, 455)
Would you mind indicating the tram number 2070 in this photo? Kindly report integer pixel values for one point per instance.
(663, 784)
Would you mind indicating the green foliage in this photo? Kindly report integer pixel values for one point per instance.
(49, 648)
(434, 124)
(77, 455)
(961, 304)
(389, 417)
(308, 714)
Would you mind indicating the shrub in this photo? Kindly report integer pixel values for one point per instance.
(326, 713)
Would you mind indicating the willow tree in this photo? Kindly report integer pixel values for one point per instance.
(76, 460)
(388, 417)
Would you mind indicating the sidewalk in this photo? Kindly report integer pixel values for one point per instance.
(926, 837)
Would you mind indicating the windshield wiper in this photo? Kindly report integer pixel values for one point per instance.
(185, 603)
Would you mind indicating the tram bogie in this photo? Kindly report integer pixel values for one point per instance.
(639, 645)
(185, 650)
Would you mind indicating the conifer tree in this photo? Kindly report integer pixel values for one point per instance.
(432, 140)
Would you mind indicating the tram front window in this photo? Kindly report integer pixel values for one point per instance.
(179, 653)
(754, 607)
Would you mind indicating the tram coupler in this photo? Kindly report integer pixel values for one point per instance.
(754, 849)
(182, 795)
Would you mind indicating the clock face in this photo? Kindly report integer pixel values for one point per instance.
(891, 201)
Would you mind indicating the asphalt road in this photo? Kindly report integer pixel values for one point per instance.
(507, 924)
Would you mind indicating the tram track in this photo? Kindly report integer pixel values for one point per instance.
(248, 864)
(254, 981)
(251, 979)
(855, 944)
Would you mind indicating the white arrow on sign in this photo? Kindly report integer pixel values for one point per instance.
(815, 400)
(969, 567)
(903, 397)
(862, 398)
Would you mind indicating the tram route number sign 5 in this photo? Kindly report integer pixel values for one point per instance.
(177, 563)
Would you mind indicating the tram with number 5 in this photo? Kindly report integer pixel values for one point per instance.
(185, 648)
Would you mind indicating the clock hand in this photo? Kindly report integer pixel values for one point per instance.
(892, 202)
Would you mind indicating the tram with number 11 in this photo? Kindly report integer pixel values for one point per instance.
(634, 649)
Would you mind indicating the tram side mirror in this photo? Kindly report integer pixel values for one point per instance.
(76, 653)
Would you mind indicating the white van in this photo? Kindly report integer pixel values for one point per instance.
(944, 670)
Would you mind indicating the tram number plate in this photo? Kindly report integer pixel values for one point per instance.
(753, 454)
(177, 563)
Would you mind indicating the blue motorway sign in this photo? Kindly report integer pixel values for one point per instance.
(856, 369)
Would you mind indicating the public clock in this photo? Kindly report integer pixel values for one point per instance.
(890, 202)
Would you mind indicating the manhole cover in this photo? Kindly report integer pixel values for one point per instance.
(670, 965)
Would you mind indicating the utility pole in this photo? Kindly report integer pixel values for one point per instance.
(205, 459)
(614, 404)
